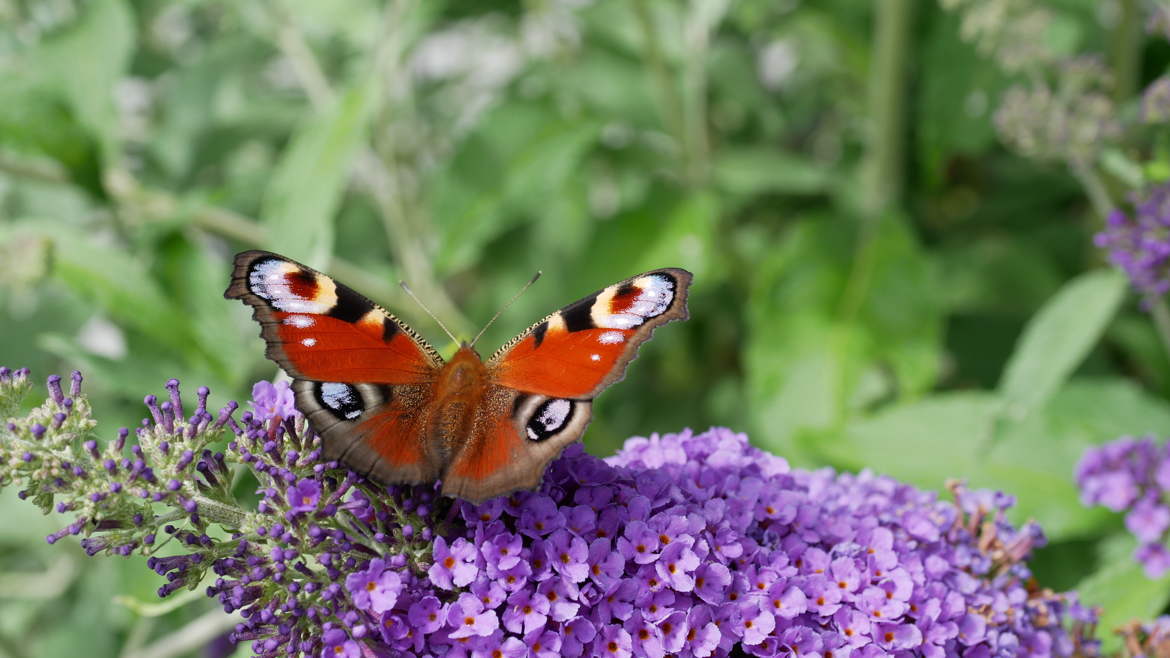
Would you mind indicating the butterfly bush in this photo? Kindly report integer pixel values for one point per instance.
(688, 544)
(1132, 475)
(1138, 243)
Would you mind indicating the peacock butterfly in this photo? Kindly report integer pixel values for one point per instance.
(387, 405)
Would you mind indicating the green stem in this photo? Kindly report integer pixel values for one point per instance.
(669, 100)
(1094, 187)
(1161, 314)
(43, 171)
(1125, 50)
(882, 174)
(700, 24)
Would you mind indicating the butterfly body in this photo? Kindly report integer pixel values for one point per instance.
(388, 406)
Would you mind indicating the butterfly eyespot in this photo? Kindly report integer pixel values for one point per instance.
(549, 418)
(342, 399)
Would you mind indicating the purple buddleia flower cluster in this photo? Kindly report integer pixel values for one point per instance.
(681, 544)
(701, 545)
(1132, 475)
(1139, 242)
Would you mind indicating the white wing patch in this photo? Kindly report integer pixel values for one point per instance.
(655, 293)
(611, 338)
(269, 280)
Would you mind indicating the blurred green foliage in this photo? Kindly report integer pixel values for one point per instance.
(889, 275)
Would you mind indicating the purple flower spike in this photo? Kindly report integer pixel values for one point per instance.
(54, 385)
(1140, 245)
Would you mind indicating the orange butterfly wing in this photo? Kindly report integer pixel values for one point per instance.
(548, 376)
(584, 347)
(319, 329)
(362, 376)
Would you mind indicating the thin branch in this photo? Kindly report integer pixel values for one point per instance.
(156, 204)
(43, 171)
(701, 23)
(292, 43)
(1095, 188)
(882, 169)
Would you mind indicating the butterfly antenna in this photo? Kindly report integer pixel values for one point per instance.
(424, 307)
(506, 306)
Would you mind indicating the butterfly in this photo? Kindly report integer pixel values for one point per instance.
(386, 404)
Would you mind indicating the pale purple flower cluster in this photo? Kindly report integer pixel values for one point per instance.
(700, 545)
(1140, 245)
(273, 400)
(1132, 475)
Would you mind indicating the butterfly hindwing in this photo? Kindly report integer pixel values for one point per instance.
(319, 329)
(510, 449)
(584, 347)
(374, 429)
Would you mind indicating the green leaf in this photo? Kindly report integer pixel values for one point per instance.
(87, 60)
(901, 305)
(1122, 590)
(1058, 338)
(118, 283)
(922, 443)
(753, 170)
(945, 436)
(305, 191)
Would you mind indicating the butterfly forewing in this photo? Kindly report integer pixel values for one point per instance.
(361, 374)
(584, 347)
(319, 329)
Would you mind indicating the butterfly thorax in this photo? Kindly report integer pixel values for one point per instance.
(459, 391)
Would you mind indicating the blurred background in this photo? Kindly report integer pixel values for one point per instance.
(889, 208)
